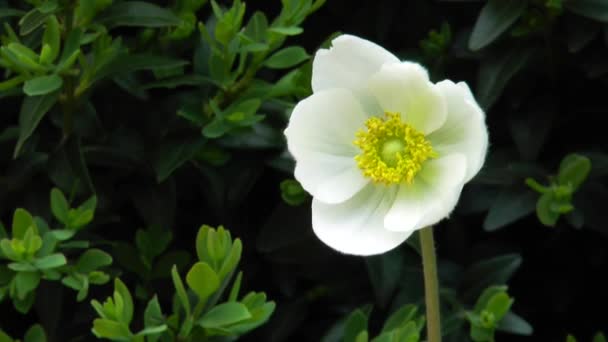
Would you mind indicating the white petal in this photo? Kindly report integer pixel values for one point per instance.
(349, 63)
(431, 197)
(320, 136)
(465, 130)
(405, 88)
(446, 177)
(357, 225)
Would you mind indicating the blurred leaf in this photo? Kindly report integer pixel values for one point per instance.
(514, 324)
(495, 18)
(593, 9)
(93, 259)
(489, 272)
(32, 111)
(544, 210)
(35, 334)
(385, 272)
(511, 205)
(50, 261)
(137, 13)
(173, 155)
(496, 71)
(355, 324)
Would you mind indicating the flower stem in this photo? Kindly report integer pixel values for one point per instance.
(431, 285)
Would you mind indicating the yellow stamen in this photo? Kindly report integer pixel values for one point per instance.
(392, 151)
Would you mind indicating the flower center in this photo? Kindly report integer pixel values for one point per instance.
(392, 151)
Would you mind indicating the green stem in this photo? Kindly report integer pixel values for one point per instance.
(431, 285)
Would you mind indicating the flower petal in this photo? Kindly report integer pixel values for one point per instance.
(349, 63)
(319, 136)
(405, 88)
(357, 225)
(465, 129)
(431, 197)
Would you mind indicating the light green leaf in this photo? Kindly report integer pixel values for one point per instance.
(224, 315)
(202, 280)
(3, 336)
(288, 31)
(499, 305)
(127, 312)
(495, 18)
(287, 58)
(50, 261)
(59, 205)
(573, 170)
(22, 220)
(181, 291)
(546, 215)
(355, 324)
(111, 330)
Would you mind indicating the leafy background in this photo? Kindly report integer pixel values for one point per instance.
(149, 146)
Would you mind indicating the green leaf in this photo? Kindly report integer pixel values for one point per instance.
(51, 41)
(216, 128)
(499, 305)
(31, 21)
(489, 272)
(486, 295)
(355, 324)
(495, 18)
(593, 9)
(50, 261)
(181, 291)
(137, 13)
(544, 211)
(32, 111)
(10, 12)
(288, 31)
(236, 287)
(59, 205)
(3, 336)
(573, 170)
(481, 334)
(224, 315)
(385, 272)
(599, 337)
(173, 155)
(35, 334)
(153, 316)
(112, 330)
(514, 324)
(496, 71)
(22, 220)
(151, 331)
(400, 317)
(127, 312)
(511, 205)
(92, 260)
(256, 27)
(570, 338)
(287, 58)
(42, 85)
(26, 282)
(129, 63)
(202, 280)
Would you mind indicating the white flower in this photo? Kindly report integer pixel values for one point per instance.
(382, 150)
